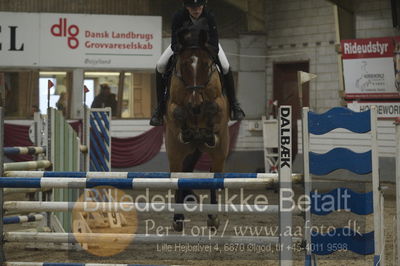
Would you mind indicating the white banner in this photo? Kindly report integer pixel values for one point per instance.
(370, 75)
(80, 41)
(385, 110)
(19, 39)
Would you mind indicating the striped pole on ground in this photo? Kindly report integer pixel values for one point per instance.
(22, 219)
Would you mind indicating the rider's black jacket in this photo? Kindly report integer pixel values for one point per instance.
(182, 19)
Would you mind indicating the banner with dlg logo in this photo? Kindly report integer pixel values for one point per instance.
(84, 41)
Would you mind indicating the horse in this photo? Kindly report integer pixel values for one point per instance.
(396, 59)
(197, 115)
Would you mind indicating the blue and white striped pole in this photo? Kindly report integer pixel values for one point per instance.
(22, 219)
(295, 177)
(141, 183)
(23, 150)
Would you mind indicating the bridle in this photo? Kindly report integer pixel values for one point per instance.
(211, 69)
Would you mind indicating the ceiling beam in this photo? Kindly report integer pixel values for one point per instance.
(240, 4)
(345, 4)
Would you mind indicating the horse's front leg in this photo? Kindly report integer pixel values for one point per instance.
(177, 153)
(175, 165)
(217, 167)
(218, 156)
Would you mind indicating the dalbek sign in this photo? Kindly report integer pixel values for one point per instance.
(80, 41)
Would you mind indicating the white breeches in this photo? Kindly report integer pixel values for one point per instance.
(163, 61)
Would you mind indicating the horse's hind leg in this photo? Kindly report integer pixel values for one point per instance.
(212, 219)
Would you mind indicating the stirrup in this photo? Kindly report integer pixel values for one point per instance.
(157, 118)
(237, 113)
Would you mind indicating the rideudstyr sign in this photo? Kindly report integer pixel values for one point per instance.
(369, 67)
(79, 41)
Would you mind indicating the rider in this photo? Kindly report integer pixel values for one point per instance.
(191, 13)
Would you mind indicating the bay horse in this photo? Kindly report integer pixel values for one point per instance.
(396, 59)
(197, 114)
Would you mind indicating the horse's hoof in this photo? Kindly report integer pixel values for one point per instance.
(212, 144)
(190, 197)
(182, 140)
(177, 225)
(213, 222)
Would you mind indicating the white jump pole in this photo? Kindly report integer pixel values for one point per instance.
(40, 206)
(27, 165)
(135, 238)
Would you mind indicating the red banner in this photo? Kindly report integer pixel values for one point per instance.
(368, 48)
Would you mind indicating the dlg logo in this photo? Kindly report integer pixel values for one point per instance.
(63, 30)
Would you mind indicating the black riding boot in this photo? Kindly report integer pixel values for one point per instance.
(157, 118)
(236, 112)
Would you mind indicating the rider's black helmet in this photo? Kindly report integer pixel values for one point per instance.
(194, 3)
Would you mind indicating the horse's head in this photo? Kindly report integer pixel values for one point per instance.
(196, 68)
(195, 65)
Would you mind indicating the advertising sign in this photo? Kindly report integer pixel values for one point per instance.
(385, 110)
(369, 67)
(79, 41)
(19, 39)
